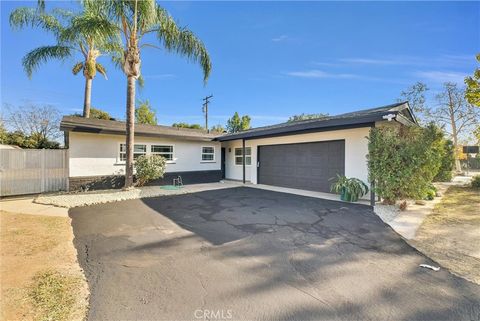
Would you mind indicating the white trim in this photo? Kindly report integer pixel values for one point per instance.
(202, 153)
(235, 156)
(148, 151)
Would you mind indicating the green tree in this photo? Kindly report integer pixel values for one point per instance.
(415, 95)
(237, 123)
(217, 129)
(33, 126)
(303, 116)
(403, 161)
(97, 114)
(72, 35)
(144, 113)
(472, 94)
(134, 20)
(186, 125)
(100, 114)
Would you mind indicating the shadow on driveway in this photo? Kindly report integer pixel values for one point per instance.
(258, 255)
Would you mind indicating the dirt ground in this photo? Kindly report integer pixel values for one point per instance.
(40, 276)
(451, 234)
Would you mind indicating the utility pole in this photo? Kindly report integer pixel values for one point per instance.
(205, 110)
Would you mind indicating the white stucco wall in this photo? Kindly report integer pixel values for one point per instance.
(356, 150)
(98, 154)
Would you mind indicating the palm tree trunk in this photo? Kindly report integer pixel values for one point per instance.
(130, 130)
(87, 98)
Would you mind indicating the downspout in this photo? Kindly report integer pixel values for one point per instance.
(243, 161)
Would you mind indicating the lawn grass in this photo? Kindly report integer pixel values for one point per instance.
(451, 234)
(53, 295)
(41, 279)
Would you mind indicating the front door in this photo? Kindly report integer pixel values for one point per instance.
(223, 163)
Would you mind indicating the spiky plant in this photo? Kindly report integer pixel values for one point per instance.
(135, 19)
(70, 41)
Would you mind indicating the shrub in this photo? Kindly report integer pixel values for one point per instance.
(447, 156)
(149, 167)
(351, 189)
(403, 161)
(476, 181)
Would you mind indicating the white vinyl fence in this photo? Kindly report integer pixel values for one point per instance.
(30, 171)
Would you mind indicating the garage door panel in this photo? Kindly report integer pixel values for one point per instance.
(305, 166)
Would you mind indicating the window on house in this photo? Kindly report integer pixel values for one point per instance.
(138, 150)
(163, 150)
(208, 154)
(239, 156)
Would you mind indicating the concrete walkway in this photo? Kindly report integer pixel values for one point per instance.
(406, 223)
(25, 205)
(326, 196)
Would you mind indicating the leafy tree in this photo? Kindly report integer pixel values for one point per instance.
(38, 123)
(217, 129)
(415, 95)
(100, 114)
(403, 161)
(72, 35)
(133, 20)
(472, 93)
(185, 125)
(237, 123)
(97, 114)
(455, 115)
(144, 114)
(303, 116)
(447, 157)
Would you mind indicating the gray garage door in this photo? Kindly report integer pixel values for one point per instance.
(305, 166)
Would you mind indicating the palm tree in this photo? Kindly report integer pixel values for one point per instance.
(135, 19)
(69, 41)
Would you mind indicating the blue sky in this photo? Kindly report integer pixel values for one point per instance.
(270, 59)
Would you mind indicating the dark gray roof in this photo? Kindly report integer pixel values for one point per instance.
(100, 126)
(360, 118)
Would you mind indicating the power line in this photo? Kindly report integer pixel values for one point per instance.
(205, 109)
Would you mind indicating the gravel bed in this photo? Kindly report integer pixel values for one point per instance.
(69, 200)
(386, 212)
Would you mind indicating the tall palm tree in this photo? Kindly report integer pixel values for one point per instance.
(135, 19)
(69, 42)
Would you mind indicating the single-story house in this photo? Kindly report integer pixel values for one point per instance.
(302, 154)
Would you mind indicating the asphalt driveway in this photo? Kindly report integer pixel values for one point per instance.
(249, 254)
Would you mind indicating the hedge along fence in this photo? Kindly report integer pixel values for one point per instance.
(404, 160)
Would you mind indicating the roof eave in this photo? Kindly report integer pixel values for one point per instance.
(95, 130)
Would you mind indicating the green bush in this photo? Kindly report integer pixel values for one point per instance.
(149, 167)
(430, 194)
(476, 181)
(447, 156)
(403, 161)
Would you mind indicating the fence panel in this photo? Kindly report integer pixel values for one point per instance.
(30, 171)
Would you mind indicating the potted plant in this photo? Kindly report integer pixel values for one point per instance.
(350, 189)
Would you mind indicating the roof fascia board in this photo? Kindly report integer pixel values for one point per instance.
(303, 131)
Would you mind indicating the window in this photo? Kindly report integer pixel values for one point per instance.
(208, 154)
(239, 156)
(138, 149)
(163, 150)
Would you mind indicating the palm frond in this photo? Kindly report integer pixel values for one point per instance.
(182, 41)
(77, 68)
(34, 58)
(101, 69)
(141, 81)
(22, 17)
(90, 26)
